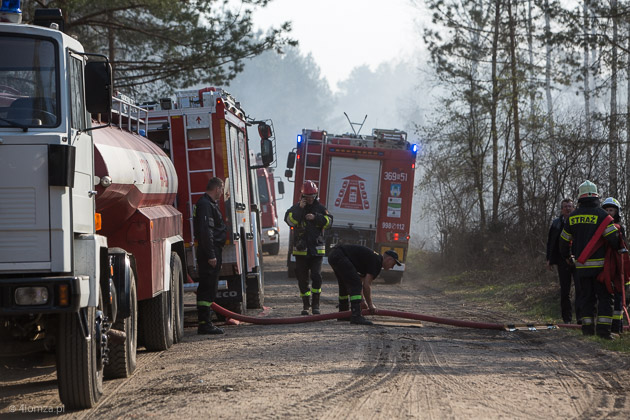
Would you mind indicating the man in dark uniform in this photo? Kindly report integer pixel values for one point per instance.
(309, 218)
(579, 246)
(565, 273)
(210, 232)
(355, 267)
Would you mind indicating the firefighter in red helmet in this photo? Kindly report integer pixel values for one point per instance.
(308, 218)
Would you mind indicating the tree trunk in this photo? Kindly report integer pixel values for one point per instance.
(518, 160)
(612, 134)
(531, 71)
(587, 74)
(548, 67)
(111, 42)
(493, 114)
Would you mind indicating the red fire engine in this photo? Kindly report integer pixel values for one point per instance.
(205, 134)
(366, 182)
(268, 210)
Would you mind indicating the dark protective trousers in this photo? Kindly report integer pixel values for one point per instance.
(617, 323)
(566, 278)
(208, 276)
(346, 273)
(305, 264)
(596, 306)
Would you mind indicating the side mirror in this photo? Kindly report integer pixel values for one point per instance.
(291, 160)
(266, 151)
(288, 174)
(264, 130)
(98, 87)
(281, 187)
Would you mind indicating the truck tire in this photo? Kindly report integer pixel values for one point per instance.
(256, 291)
(177, 289)
(122, 355)
(157, 321)
(274, 249)
(393, 278)
(79, 373)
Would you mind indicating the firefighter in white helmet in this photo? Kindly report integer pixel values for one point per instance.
(613, 208)
(580, 245)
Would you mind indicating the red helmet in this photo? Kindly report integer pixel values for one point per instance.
(309, 188)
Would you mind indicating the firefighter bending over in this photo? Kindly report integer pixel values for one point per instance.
(211, 233)
(355, 267)
(309, 218)
(583, 244)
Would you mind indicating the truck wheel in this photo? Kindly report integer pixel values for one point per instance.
(122, 355)
(274, 249)
(177, 289)
(392, 278)
(256, 291)
(79, 361)
(157, 321)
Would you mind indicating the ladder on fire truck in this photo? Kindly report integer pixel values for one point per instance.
(194, 195)
(313, 160)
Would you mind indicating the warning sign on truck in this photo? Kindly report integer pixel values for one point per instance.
(352, 194)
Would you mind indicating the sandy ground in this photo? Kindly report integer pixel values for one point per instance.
(334, 370)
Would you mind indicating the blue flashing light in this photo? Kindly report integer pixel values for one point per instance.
(299, 139)
(142, 132)
(10, 6)
(414, 148)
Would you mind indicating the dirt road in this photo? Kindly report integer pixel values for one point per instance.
(334, 370)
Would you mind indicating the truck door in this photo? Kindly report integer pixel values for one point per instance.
(82, 199)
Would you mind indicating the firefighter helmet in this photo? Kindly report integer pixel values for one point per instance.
(611, 202)
(587, 189)
(309, 188)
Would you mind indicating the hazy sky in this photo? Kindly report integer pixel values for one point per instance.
(343, 34)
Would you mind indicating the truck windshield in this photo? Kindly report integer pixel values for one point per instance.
(263, 191)
(28, 82)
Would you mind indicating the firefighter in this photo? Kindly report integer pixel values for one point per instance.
(211, 233)
(613, 208)
(565, 273)
(308, 218)
(355, 267)
(581, 246)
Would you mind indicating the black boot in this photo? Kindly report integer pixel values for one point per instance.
(603, 331)
(617, 326)
(344, 306)
(306, 303)
(204, 315)
(356, 317)
(315, 304)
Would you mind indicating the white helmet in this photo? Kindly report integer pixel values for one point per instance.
(611, 202)
(587, 189)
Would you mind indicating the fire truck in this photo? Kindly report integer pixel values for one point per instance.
(93, 253)
(205, 133)
(366, 182)
(269, 210)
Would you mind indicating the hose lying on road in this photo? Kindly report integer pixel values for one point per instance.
(382, 312)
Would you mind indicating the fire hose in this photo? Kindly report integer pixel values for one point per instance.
(383, 312)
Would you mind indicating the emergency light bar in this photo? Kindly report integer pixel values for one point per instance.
(10, 11)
